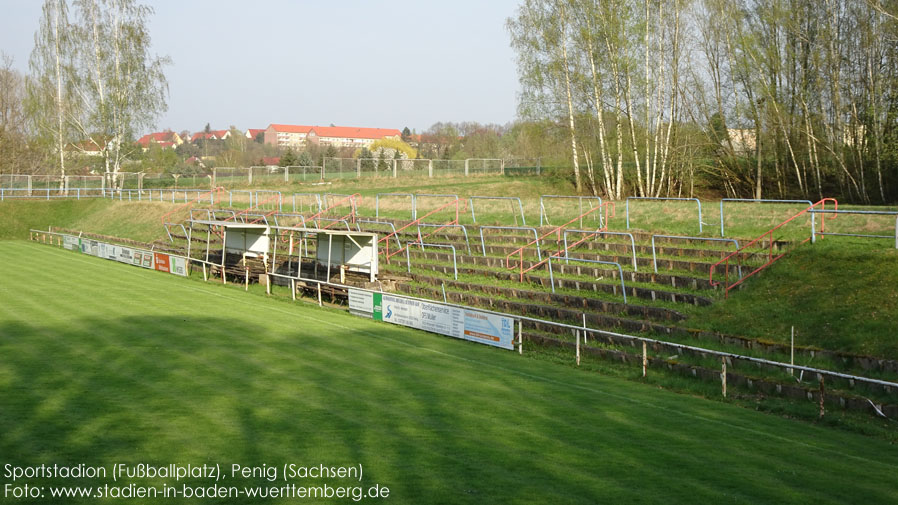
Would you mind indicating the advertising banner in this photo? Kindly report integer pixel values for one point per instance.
(161, 262)
(71, 243)
(490, 329)
(361, 303)
(178, 265)
(91, 247)
(467, 324)
(122, 254)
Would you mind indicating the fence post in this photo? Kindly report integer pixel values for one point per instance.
(520, 336)
(644, 359)
(286, 174)
(358, 168)
(250, 172)
(578, 347)
(822, 393)
(214, 175)
(394, 168)
(28, 178)
(466, 166)
(502, 167)
(723, 375)
(430, 171)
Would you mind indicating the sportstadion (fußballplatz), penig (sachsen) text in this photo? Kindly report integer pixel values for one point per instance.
(216, 472)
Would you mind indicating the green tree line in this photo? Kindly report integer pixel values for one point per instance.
(748, 98)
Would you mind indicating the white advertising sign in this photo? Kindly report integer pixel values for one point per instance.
(467, 324)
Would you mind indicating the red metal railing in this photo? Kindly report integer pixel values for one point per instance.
(558, 234)
(771, 258)
(214, 193)
(354, 200)
(386, 238)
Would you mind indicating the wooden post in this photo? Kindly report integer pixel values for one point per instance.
(723, 375)
(578, 347)
(822, 393)
(645, 360)
(584, 328)
(792, 352)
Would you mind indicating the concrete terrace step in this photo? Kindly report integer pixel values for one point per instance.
(496, 268)
(564, 300)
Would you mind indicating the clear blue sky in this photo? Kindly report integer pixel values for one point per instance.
(383, 63)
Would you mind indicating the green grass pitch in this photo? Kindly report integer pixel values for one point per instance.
(103, 363)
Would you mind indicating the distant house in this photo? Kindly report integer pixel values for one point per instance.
(195, 161)
(252, 133)
(212, 135)
(93, 146)
(283, 135)
(286, 135)
(165, 140)
(743, 139)
(350, 136)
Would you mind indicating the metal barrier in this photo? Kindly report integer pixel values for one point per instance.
(353, 207)
(408, 257)
(557, 231)
(754, 200)
(216, 212)
(377, 202)
(696, 200)
(261, 192)
(207, 211)
(249, 193)
(620, 271)
(535, 236)
(386, 223)
(415, 222)
(679, 237)
(512, 198)
(426, 195)
(593, 234)
(277, 196)
(259, 218)
(288, 214)
(333, 220)
(441, 226)
(317, 200)
(342, 196)
(168, 231)
(770, 257)
(30, 194)
(198, 199)
(862, 212)
(544, 214)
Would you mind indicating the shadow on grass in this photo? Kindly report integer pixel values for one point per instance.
(204, 391)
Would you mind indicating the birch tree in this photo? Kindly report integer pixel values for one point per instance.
(49, 102)
(95, 76)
